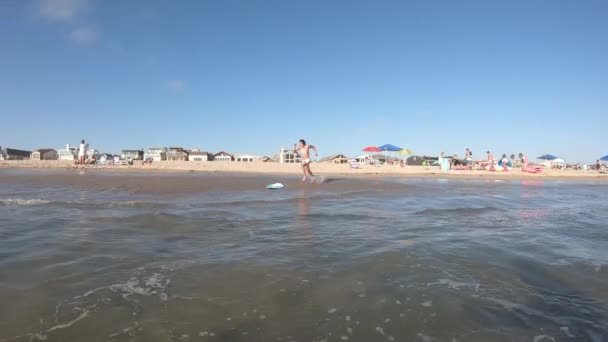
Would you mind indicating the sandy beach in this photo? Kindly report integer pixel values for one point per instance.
(324, 169)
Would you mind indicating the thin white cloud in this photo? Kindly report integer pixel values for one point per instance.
(176, 85)
(60, 10)
(85, 35)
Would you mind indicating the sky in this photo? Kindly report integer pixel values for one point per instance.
(252, 76)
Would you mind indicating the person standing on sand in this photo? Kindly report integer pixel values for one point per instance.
(598, 165)
(468, 157)
(304, 151)
(82, 152)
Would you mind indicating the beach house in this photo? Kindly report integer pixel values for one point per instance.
(365, 160)
(334, 159)
(177, 154)
(44, 154)
(223, 156)
(289, 156)
(268, 159)
(132, 155)
(155, 154)
(199, 156)
(69, 153)
(246, 158)
(14, 154)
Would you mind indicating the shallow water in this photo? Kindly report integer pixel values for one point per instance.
(420, 260)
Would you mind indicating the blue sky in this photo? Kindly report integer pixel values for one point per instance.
(252, 76)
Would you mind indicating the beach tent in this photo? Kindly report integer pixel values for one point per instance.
(415, 160)
(390, 148)
(547, 157)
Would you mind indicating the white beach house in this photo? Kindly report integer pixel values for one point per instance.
(199, 156)
(246, 158)
(132, 155)
(155, 154)
(69, 153)
(223, 156)
(289, 156)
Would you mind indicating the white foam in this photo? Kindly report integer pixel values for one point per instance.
(541, 338)
(83, 315)
(332, 310)
(427, 303)
(20, 201)
(380, 330)
(566, 331)
(454, 284)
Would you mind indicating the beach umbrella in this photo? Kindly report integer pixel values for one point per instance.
(390, 148)
(372, 149)
(406, 151)
(547, 157)
(604, 158)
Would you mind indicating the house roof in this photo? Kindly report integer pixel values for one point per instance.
(332, 157)
(45, 150)
(133, 151)
(223, 152)
(199, 153)
(16, 152)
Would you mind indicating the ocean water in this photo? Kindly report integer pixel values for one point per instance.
(390, 260)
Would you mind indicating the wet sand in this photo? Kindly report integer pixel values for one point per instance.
(155, 181)
(325, 169)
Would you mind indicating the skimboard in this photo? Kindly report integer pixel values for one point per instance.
(275, 186)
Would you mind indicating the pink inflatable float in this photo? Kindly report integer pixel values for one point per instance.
(531, 168)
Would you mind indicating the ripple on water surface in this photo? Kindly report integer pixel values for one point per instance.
(438, 261)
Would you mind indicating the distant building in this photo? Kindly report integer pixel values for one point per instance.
(267, 159)
(132, 155)
(289, 156)
(69, 153)
(223, 156)
(246, 158)
(177, 154)
(334, 159)
(383, 159)
(365, 160)
(14, 154)
(199, 156)
(155, 154)
(44, 154)
(105, 158)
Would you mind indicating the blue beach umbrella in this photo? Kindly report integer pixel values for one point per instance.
(390, 148)
(547, 157)
(604, 158)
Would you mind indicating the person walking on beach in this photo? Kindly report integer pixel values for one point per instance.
(468, 157)
(598, 165)
(304, 151)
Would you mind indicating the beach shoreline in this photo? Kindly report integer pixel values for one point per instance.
(322, 169)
